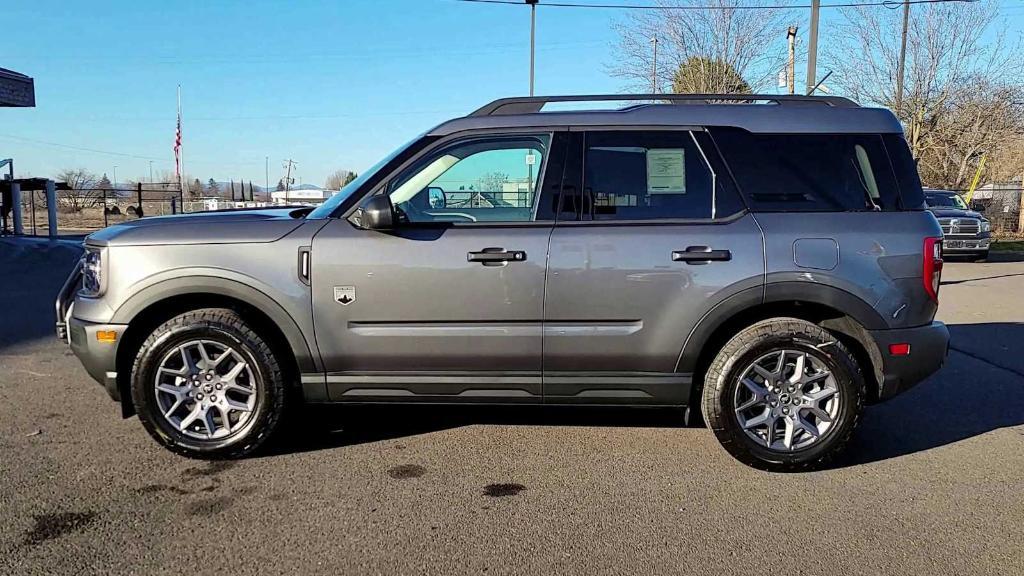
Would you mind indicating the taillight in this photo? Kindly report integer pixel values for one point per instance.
(931, 266)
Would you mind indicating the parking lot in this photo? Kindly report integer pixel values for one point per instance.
(933, 482)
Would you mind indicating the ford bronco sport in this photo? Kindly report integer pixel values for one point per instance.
(766, 262)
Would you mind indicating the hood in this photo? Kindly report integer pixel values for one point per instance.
(942, 212)
(216, 227)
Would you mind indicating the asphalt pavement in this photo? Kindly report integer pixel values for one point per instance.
(932, 484)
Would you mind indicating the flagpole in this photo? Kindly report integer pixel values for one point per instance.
(181, 155)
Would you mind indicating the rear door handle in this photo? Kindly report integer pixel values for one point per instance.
(700, 255)
(496, 256)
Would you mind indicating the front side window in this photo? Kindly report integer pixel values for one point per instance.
(810, 172)
(648, 175)
(481, 180)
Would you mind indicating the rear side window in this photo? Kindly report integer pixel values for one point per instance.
(906, 171)
(810, 172)
(649, 175)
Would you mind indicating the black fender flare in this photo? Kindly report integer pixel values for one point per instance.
(183, 286)
(813, 293)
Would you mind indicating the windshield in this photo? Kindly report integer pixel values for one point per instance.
(324, 210)
(945, 201)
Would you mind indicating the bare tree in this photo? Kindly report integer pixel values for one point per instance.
(83, 192)
(962, 76)
(337, 179)
(712, 47)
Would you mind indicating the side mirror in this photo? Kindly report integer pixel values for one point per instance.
(437, 197)
(977, 206)
(379, 213)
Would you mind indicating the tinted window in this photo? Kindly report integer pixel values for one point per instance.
(903, 164)
(646, 175)
(810, 172)
(493, 179)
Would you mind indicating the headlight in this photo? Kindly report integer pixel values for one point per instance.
(92, 272)
(986, 226)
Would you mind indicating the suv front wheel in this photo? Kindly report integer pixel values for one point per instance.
(206, 385)
(783, 395)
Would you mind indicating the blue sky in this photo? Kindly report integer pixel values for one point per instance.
(329, 84)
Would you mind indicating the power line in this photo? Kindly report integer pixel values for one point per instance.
(886, 3)
(110, 152)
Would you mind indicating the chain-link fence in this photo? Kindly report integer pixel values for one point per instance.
(1000, 204)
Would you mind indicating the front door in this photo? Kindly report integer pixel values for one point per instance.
(448, 305)
(659, 238)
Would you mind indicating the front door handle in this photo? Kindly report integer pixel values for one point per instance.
(700, 255)
(496, 256)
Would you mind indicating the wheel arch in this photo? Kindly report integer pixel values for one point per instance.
(842, 313)
(158, 303)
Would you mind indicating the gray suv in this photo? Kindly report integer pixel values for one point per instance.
(764, 263)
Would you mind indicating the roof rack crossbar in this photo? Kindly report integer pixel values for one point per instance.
(532, 104)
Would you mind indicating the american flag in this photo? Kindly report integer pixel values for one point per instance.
(177, 146)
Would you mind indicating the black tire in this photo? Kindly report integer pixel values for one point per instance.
(723, 378)
(222, 326)
(981, 256)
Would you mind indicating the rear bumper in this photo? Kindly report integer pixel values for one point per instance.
(929, 346)
(98, 358)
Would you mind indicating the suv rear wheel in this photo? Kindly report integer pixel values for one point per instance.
(783, 395)
(206, 385)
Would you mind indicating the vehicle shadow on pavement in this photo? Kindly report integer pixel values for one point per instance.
(333, 426)
(980, 389)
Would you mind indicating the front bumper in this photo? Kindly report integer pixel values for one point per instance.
(98, 358)
(929, 346)
(954, 244)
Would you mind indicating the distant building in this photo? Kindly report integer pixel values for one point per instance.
(301, 196)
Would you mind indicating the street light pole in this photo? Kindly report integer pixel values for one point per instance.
(114, 183)
(150, 171)
(654, 67)
(812, 49)
(532, 40)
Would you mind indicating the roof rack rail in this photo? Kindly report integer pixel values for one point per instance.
(532, 104)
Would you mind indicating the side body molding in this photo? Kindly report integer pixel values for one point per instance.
(205, 283)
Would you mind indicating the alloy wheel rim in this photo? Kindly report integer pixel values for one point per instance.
(787, 400)
(205, 389)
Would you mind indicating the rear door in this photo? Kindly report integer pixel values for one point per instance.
(652, 236)
(448, 305)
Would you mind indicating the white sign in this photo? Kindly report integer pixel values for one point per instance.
(530, 159)
(666, 171)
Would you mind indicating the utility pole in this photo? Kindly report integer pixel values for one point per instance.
(791, 72)
(288, 178)
(654, 67)
(533, 36)
(903, 58)
(812, 49)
